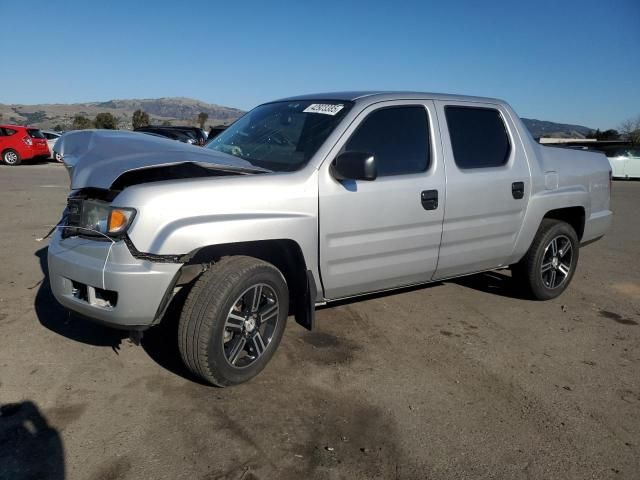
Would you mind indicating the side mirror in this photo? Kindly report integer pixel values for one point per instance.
(354, 166)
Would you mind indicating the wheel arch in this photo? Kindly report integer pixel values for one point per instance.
(285, 254)
(574, 216)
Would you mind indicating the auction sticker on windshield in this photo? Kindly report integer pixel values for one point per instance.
(324, 108)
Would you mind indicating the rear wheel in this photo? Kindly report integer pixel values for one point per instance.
(549, 265)
(10, 157)
(233, 320)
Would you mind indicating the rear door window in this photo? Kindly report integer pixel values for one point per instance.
(34, 133)
(479, 137)
(398, 137)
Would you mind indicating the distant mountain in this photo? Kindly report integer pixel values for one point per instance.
(177, 110)
(543, 128)
(184, 111)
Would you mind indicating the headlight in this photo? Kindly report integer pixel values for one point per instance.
(98, 216)
(95, 216)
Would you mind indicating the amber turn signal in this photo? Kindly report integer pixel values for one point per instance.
(119, 220)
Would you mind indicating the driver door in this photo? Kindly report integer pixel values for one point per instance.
(381, 234)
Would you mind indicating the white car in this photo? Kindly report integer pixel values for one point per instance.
(52, 138)
(625, 163)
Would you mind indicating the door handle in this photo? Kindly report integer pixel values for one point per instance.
(517, 190)
(429, 199)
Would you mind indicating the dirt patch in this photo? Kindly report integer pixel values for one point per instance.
(327, 349)
(113, 469)
(66, 414)
(617, 318)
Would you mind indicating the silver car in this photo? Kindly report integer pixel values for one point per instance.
(312, 199)
(52, 138)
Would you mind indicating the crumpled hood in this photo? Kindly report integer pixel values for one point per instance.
(96, 158)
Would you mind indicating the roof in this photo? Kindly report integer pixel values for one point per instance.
(379, 95)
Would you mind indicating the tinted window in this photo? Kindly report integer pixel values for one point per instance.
(398, 137)
(478, 137)
(9, 131)
(34, 133)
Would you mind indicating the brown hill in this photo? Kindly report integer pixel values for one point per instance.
(178, 111)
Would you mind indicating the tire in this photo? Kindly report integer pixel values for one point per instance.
(221, 332)
(11, 157)
(559, 267)
(57, 157)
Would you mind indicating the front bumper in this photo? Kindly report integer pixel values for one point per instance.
(120, 291)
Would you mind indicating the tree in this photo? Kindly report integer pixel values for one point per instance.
(140, 119)
(630, 129)
(610, 134)
(202, 118)
(80, 122)
(166, 123)
(106, 121)
(58, 128)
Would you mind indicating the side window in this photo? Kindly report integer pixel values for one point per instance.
(8, 132)
(398, 137)
(478, 137)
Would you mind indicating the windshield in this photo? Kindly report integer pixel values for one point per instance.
(281, 136)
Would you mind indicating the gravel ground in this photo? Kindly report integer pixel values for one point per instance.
(460, 379)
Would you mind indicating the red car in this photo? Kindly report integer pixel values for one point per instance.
(21, 143)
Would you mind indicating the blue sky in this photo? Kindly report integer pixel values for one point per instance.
(566, 61)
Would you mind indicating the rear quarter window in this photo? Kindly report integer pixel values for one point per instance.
(479, 137)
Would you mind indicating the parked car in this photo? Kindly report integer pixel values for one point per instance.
(18, 143)
(52, 138)
(177, 135)
(198, 135)
(215, 131)
(310, 200)
(625, 162)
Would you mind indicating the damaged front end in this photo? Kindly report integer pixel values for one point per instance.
(94, 267)
(99, 158)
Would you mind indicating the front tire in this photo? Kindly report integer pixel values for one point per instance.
(11, 157)
(549, 265)
(233, 320)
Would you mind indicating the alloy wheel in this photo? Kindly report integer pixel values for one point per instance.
(10, 158)
(557, 262)
(250, 325)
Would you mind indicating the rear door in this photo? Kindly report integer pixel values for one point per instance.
(488, 185)
(376, 235)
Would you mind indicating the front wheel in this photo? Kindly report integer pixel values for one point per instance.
(549, 265)
(233, 320)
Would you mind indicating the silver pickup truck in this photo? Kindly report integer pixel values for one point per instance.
(312, 199)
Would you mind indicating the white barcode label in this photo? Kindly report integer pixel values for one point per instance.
(324, 108)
